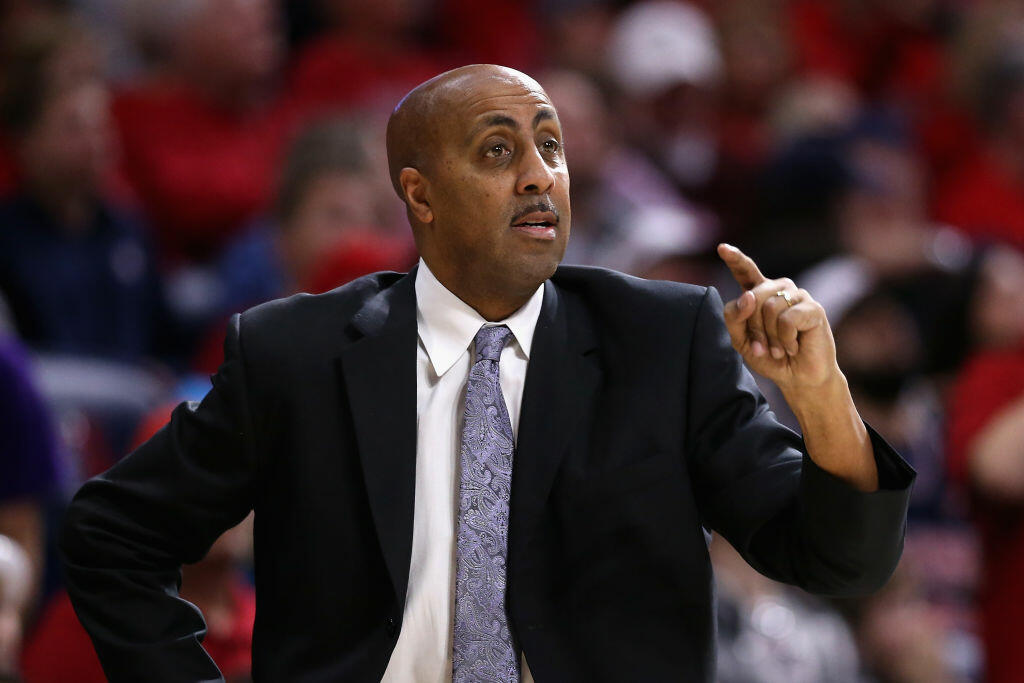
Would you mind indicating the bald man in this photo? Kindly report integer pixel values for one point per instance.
(492, 468)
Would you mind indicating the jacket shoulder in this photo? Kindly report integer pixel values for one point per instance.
(309, 321)
(629, 297)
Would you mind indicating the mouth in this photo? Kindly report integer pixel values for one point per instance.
(537, 224)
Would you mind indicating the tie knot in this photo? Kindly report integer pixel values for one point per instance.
(489, 342)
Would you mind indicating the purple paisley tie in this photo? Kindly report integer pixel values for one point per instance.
(483, 647)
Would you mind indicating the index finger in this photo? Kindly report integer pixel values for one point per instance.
(742, 267)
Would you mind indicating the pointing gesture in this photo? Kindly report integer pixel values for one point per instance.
(779, 329)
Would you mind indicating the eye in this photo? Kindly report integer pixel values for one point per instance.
(551, 146)
(497, 150)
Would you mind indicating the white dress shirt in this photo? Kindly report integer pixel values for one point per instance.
(446, 327)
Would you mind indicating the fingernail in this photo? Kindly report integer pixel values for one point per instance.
(757, 348)
(791, 352)
(777, 352)
(728, 246)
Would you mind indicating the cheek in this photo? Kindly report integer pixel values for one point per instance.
(561, 188)
(477, 202)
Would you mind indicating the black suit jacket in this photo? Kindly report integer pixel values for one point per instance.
(640, 427)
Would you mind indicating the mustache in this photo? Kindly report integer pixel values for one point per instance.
(532, 208)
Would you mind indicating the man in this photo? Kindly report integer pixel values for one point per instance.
(390, 520)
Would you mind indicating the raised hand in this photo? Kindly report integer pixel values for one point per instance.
(779, 329)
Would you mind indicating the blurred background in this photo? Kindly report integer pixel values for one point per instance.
(166, 163)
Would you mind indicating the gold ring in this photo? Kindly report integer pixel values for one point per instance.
(785, 295)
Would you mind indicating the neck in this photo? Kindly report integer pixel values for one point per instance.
(494, 301)
(491, 308)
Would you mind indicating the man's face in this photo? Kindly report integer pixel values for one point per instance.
(498, 187)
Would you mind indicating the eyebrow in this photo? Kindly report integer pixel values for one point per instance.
(500, 120)
(543, 115)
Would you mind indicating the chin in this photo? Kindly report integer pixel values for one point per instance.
(531, 272)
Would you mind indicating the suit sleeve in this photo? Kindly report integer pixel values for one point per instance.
(128, 531)
(757, 486)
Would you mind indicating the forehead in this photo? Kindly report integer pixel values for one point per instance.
(477, 97)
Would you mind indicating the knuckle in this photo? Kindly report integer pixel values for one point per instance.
(787, 283)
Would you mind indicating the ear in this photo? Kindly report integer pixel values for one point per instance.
(414, 188)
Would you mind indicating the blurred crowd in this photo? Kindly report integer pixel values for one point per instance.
(167, 163)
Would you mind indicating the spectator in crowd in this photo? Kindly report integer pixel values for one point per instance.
(324, 197)
(466, 29)
(756, 63)
(901, 636)
(888, 51)
(202, 135)
(13, 14)
(372, 53)
(571, 29)
(217, 585)
(880, 218)
(768, 632)
(323, 231)
(666, 60)
(984, 195)
(75, 268)
(986, 450)
(881, 348)
(29, 475)
(629, 214)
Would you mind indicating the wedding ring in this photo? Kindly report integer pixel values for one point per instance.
(785, 295)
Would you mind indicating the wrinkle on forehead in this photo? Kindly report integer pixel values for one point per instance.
(430, 110)
(489, 102)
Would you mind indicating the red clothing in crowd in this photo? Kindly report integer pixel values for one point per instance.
(336, 71)
(983, 198)
(989, 383)
(199, 171)
(467, 27)
(59, 650)
(869, 49)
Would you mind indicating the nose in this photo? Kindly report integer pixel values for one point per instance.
(535, 176)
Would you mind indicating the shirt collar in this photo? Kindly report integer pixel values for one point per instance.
(447, 324)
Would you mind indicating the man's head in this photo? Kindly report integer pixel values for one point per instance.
(476, 154)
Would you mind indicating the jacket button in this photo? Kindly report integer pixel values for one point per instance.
(391, 627)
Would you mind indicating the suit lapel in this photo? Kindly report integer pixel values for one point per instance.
(380, 378)
(560, 377)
